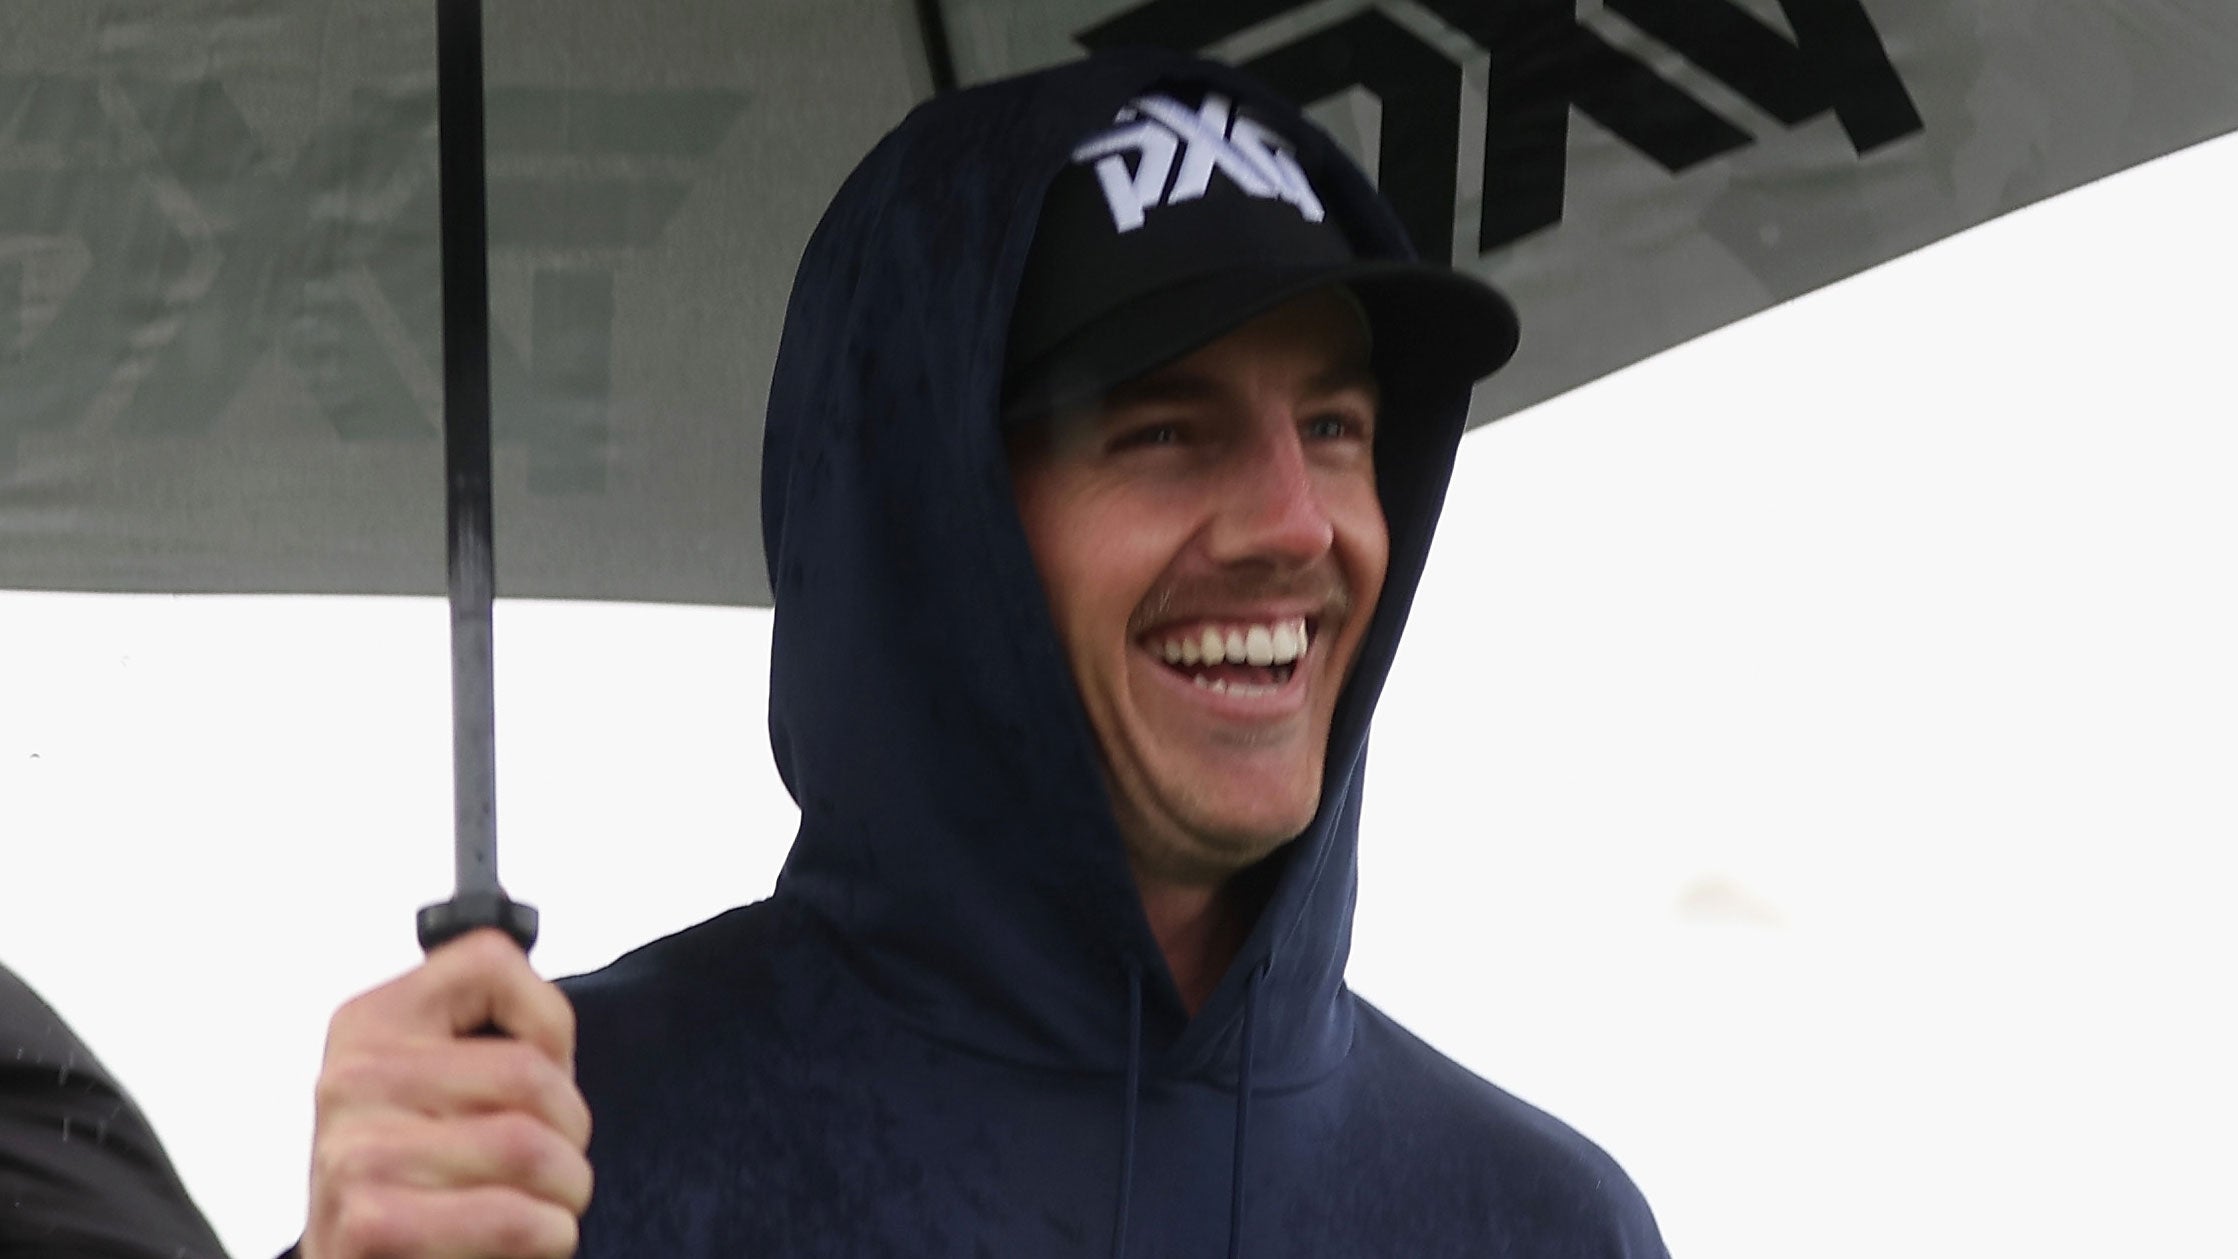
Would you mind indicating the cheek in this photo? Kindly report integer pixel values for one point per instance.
(1363, 541)
(1092, 551)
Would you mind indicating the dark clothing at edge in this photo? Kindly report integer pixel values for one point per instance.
(950, 1032)
(82, 1175)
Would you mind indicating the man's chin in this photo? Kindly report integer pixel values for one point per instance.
(1239, 838)
(1216, 810)
(1206, 846)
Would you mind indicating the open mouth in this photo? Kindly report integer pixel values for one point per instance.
(1237, 658)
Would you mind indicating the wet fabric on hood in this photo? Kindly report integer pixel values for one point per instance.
(951, 1031)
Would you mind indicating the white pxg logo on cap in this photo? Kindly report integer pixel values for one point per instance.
(1155, 130)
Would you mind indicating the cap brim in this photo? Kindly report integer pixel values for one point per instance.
(1432, 326)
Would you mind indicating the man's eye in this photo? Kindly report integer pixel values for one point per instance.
(1334, 427)
(1148, 435)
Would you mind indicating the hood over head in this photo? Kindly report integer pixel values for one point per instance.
(956, 832)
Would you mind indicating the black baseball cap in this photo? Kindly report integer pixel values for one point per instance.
(1184, 219)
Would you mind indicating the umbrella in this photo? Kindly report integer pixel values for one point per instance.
(222, 368)
(1638, 44)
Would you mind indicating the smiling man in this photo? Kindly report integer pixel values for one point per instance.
(1212, 545)
(1105, 445)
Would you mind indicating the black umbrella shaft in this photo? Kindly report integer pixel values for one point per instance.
(466, 438)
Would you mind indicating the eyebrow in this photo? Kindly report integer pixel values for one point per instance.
(1184, 386)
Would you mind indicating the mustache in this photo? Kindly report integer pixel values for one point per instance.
(1204, 596)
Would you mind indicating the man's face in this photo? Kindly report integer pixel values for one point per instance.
(1222, 508)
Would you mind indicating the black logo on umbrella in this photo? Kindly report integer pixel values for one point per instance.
(1545, 60)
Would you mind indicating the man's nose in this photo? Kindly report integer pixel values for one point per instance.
(1272, 508)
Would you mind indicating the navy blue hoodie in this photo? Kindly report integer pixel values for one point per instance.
(950, 1031)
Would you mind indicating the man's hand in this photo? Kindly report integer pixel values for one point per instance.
(433, 1142)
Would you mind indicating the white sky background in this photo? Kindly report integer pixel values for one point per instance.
(1810, 772)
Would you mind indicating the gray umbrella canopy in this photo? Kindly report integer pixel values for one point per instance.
(220, 347)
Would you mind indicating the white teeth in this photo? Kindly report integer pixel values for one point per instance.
(1279, 643)
(1284, 643)
(1258, 646)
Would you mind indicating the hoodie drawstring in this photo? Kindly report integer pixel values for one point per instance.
(1243, 1112)
(1133, 1107)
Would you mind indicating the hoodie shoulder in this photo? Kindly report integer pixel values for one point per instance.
(1507, 1177)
